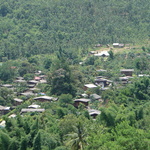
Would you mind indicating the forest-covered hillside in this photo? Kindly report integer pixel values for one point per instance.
(74, 75)
(40, 26)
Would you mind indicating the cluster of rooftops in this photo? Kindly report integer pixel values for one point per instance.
(100, 81)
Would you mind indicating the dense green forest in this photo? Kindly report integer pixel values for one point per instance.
(41, 26)
(47, 48)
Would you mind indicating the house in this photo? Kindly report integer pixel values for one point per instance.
(31, 85)
(27, 94)
(89, 86)
(121, 45)
(4, 110)
(27, 110)
(20, 81)
(84, 95)
(39, 72)
(37, 78)
(45, 98)
(84, 101)
(7, 85)
(43, 77)
(92, 52)
(34, 90)
(94, 113)
(98, 45)
(102, 54)
(32, 82)
(143, 75)
(101, 70)
(116, 45)
(43, 81)
(17, 101)
(3, 124)
(102, 82)
(12, 116)
(124, 80)
(19, 78)
(95, 96)
(127, 72)
(35, 106)
(105, 88)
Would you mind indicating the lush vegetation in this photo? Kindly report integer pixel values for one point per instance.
(54, 38)
(42, 26)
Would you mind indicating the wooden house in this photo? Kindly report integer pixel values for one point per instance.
(29, 110)
(32, 82)
(127, 72)
(102, 82)
(102, 54)
(27, 94)
(95, 97)
(116, 45)
(98, 45)
(7, 85)
(93, 113)
(121, 45)
(84, 101)
(35, 106)
(4, 110)
(45, 99)
(124, 80)
(89, 86)
(36, 78)
(17, 101)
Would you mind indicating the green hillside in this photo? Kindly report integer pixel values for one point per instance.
(74, 75)
(40, 26)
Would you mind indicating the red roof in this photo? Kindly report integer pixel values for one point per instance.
(37, 78)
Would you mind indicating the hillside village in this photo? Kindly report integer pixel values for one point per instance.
(74, 75)
(102, 90)
(35, 96)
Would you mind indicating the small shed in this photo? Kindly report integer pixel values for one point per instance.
(81, 100)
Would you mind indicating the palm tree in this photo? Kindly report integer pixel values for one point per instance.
(77, 139)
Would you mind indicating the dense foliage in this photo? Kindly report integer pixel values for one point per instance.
(51, 40)
(42, 26)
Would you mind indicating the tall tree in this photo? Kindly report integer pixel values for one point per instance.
(37, 142)
(77, 139)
